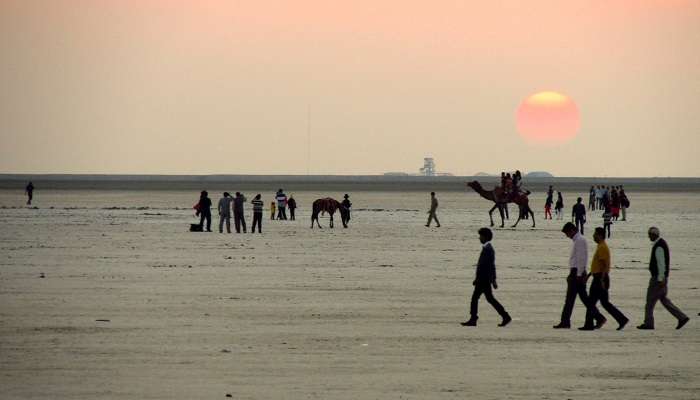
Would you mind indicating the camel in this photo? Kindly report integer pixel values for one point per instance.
(498, 196)
(328, 205)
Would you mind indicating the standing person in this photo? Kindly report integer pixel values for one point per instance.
(345, 210)
(660, 268)
(576, 281)
(591, 199)
(257, 213)
(204, 210)
(292, 205)
(224, 208)
(272, 209)
(624, 203)
(238, 215)
(607, 220)
(485, 278)
(433, 209)
(615, 204)
(548, 203)
(29, 191)
(578, 214)
(599, 196)
(559, 207)
(600, 270)
(281, 204)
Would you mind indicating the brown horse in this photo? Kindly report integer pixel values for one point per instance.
(499, 197)
(326, 205)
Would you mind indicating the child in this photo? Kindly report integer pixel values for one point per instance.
(273, 205)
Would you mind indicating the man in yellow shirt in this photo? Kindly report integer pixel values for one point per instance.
(600, 269)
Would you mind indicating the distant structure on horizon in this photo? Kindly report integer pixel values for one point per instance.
(428, 169)
(539, 174)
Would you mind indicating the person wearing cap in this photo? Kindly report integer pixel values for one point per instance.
(485, 278)
(432, 213)
(600, 270)
(345, 210)
(225, 212)
(576, 281)
(660, 267)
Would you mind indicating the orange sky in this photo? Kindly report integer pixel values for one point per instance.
(224, 87)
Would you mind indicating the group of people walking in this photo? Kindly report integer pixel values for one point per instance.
(657, 290)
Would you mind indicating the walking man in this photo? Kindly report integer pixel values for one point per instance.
(292, 205)
(485, 278)
(257, 213)
(576, 281)
(659, 266)
(578, 214)
(600, 269)
(433, 208)
(225, 212)
(29, 191)
(238, 216)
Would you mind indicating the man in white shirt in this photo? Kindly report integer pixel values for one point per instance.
(225, 212)
(660, 267)
(576, 281)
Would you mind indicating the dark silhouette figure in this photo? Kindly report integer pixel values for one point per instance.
(485, 278)
(203, 208)
(578, 214)
(29, 191)
(600, 270)
(257, 213)
(576, 281)
(238, 215)
(292, 205)
(432, 213)
(345, 210)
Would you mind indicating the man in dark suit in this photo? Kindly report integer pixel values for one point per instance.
(485, 278)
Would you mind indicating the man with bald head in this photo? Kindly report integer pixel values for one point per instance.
(659, 267)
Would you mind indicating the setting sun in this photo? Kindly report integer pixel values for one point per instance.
(548, 118)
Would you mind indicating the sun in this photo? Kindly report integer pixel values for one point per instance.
(548, 118)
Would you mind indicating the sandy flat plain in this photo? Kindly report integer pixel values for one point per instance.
(369, 312)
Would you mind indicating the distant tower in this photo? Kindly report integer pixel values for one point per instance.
(428, 167)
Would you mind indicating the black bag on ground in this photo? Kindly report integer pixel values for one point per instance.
(196, 228)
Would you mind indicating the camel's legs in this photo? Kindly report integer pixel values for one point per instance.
(491, 213)
(532, 214)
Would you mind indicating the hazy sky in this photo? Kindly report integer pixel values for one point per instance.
(174, 86)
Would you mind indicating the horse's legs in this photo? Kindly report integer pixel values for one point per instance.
(331, 215)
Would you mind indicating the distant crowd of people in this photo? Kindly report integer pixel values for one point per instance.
(613, 201)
